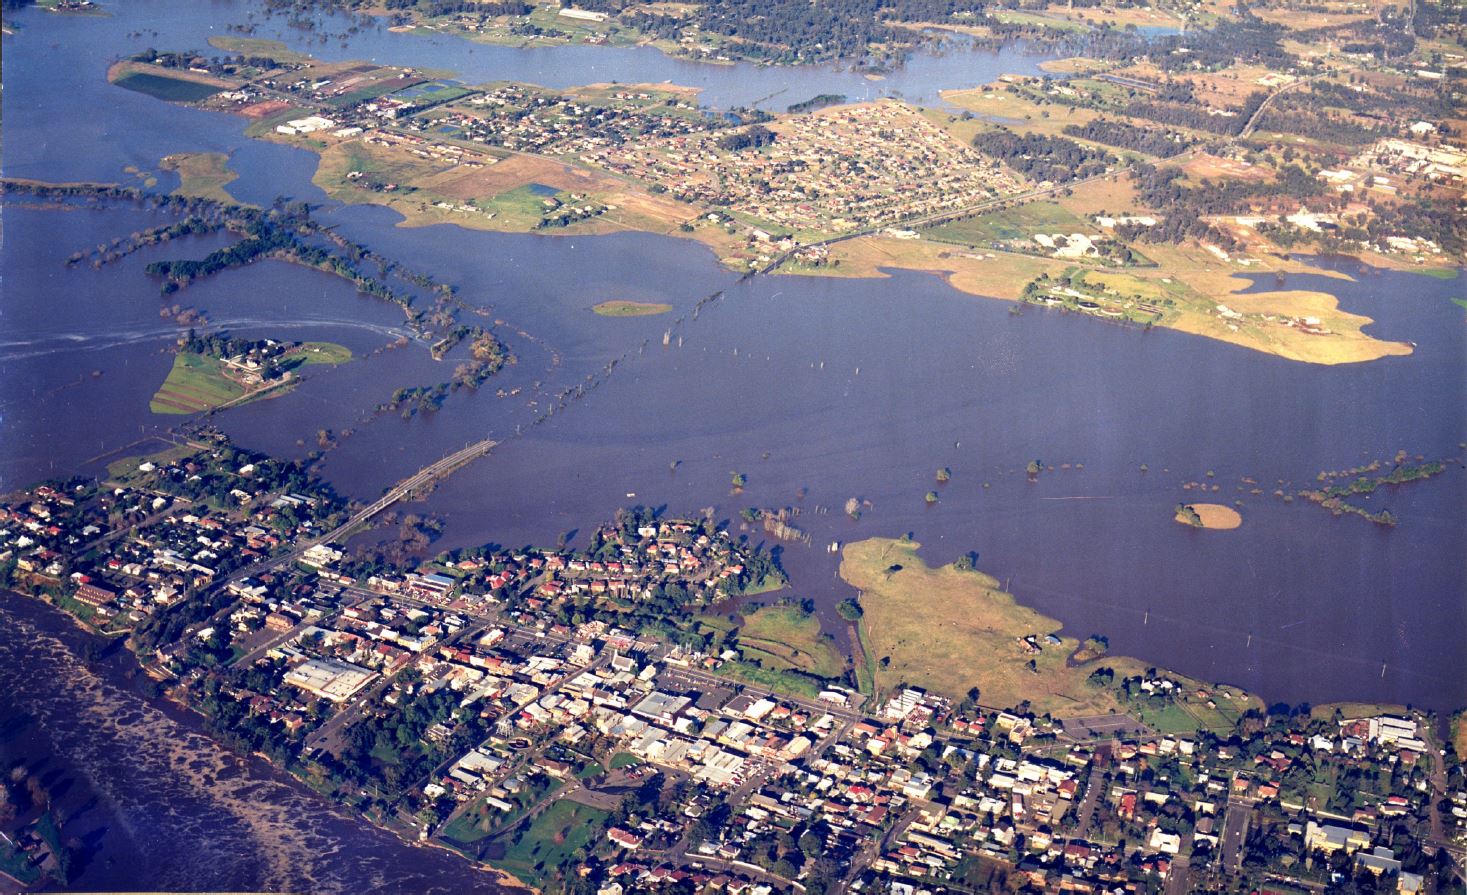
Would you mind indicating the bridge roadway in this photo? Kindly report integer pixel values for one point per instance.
(428, 474)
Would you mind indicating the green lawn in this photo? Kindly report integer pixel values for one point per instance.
(193, 385)
(128, 466)
(551, 840)
(622, 760)
(174, 90)
(782, 681)
(785, 636)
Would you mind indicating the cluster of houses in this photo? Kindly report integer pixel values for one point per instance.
(124, 551)
(524, 119)
(839, 169)
(906, 798)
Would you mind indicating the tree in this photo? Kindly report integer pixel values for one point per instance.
(944, 474)
(849, 609)
(931, 497)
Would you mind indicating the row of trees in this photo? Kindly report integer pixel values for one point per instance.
(1041, 157)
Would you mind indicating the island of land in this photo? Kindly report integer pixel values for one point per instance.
(201, 174)
(623, 308)
(1209, 515)
(212, 374)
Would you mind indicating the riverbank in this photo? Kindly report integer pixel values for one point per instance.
(162, 804)
(1194, 281)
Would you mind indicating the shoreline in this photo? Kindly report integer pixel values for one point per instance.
(167, 695)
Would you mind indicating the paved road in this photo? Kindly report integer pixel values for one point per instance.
(1235, 833)
(1094, 790)
(1178, 879)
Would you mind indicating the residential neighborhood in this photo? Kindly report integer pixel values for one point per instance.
(505, 705)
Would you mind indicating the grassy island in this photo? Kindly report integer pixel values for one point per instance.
(200, 380)
(201, 174)
(631, 308)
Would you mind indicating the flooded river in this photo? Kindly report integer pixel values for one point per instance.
(817, 390)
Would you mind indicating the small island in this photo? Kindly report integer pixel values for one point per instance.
(215, 371)
(1208, 515)
(631, 308)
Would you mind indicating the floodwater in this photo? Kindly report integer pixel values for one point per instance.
(817, 390)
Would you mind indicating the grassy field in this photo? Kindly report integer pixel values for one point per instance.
(127, 467)
(782, 681)
(1356, 709)
(254, 46)
(631, 309)
(197, 383)
(787, 637)
(174, 90)
(949, 630)
(551, 840)
(201, 174)
(1195, 280)
(1013, 223)
(1039, 21)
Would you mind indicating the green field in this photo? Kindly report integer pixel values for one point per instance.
(631, 309)
(783, 637)
(197, 383)
(622, 760)
(1013, 223)
(551, 841)
(127, 467)
(1440, 273)
(174, 90)
(201, 174)
(1023, 18)
(781, 681)
(947, 630)
(521, 207)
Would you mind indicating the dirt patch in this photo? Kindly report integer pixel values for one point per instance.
(1215, 516)
(264, 109)
(518, 170)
